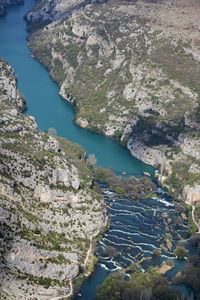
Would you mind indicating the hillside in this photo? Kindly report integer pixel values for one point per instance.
(48, 213)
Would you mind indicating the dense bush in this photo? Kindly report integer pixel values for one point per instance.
(180, 252)
(132, 187)
(146, 286)
(190, 274)
(157, 252)
(110, 251)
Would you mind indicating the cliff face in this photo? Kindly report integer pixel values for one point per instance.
(48, 214)
(132, 71)
(47, 11)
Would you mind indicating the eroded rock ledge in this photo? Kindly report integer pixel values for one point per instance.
(48, 214)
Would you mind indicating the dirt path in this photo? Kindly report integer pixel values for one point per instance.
(198, 225)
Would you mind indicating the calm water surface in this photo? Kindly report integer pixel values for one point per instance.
(133, 225)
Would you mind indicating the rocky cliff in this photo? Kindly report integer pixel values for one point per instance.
(132, 70)
(48, 214)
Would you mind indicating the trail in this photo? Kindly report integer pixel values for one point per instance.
(194, 220)
(88, 253)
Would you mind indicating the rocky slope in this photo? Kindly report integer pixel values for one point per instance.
(132, 71)
(48, 214)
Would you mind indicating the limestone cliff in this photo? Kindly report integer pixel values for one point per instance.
(48, 214)
(132, 70)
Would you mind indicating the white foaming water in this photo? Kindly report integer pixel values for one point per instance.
(132, 245)
(109, 193)
(148, 235)
(123, 232)
(130, 240)
(125, 226)
(104, 258)
(114, 270)
(137, 233)
(129, 206)
(117, 244)
(162, 200)
(125, 212)
(168, 257)
(104, 267)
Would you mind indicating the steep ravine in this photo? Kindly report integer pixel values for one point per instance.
(66, 146)
(132, 77)
(48, 213)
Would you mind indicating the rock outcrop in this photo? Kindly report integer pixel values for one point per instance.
(48, 214)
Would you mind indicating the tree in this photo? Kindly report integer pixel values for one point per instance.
(180, 252)
(179, 221)
(157, 252)
(110, 251)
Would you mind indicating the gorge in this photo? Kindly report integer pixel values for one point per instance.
(50, 110)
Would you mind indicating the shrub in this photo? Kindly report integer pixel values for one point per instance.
(180, 252)
(156, 252)
(110, 251)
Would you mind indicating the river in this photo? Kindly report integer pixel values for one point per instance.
(133, 224)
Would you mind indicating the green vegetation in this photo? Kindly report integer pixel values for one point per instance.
(181, 176)
(92, 264)
(77, 283)
(110, 251)
(148, 285)
(132, 187)
(60, 259)
(46, 282)
(197, 213)
(157, 252)
(177, 64)
(180, 252)
(190, 275)
(58, 70)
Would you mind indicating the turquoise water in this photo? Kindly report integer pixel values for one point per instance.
(44, 103)
(50, 110)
